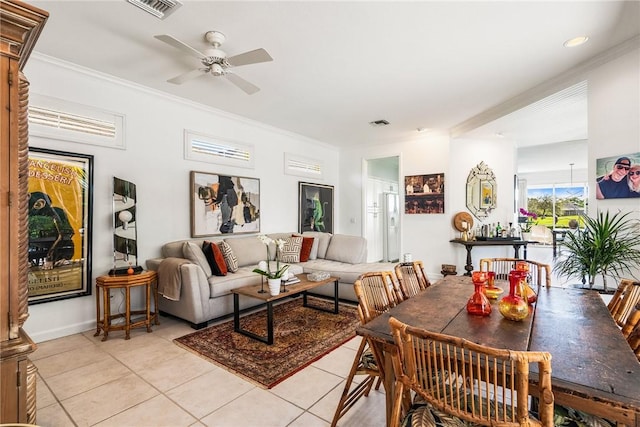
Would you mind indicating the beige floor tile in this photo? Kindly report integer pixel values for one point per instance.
(53, 416)
(168, 374)
(337, 362)
(367, 411)
(147, 352)
(74, 382)
(306, 387)
(108, 400)
(68, 361)
(309, 420)
(59, 345)
(203, 395)
(44, 396)
(258, 407)
(156, 412)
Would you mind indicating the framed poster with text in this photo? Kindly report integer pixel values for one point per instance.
(60, 186)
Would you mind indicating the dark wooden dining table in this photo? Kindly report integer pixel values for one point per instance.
(593, 368)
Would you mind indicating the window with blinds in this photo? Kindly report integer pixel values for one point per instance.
(204, 148)
(59, 119)
(303, 166)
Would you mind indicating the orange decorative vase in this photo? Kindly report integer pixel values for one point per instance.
(513, 306)
(492, 291)
(524, 290)
(479, 304)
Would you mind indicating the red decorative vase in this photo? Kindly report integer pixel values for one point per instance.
(513, 306)
(479, 304)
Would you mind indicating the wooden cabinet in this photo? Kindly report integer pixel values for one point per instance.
(20, 26)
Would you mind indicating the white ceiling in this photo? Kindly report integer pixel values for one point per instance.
(339, 65)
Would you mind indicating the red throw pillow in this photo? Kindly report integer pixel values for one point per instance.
(305, 251)
(215, 258)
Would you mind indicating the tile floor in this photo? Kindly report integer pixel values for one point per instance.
(149, 381)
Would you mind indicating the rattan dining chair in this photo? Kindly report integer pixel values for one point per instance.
(455, 378)
(377, 292)
(539, 273)
(411, 277)
(627, 295)
(631, 330)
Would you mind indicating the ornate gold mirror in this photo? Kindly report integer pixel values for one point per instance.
(481, 191)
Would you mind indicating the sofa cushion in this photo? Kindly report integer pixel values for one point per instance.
(215, 258)
(291, 249)
(193, 253)
(323, 242)
(305, 250)
(347, 273)
(175, 249)
(229, 257)
(349, 249)
(248, 250)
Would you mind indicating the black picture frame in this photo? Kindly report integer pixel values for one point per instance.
(60, 213)
(315, 207)
(224, 204)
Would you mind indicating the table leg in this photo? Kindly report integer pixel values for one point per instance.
(516, 251)
(469, 266)
(98, 319)
(156, 310)
(106, 321)
(269, 323)
(236, 313)
(127, 319)
(149, 319)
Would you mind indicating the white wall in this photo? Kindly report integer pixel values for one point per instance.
(154, 161)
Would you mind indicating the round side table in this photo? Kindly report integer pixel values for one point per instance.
(104, 284)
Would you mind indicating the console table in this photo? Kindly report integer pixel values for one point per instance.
(469, 244)
(148, 279)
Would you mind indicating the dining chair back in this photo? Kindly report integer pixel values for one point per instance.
(539, 273)
(627, 295)
(377, 292)
(411, 277)
(460, 379)
(631, 330)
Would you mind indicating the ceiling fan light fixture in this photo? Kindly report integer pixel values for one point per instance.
(576, 41)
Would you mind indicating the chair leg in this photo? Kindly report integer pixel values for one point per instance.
(350, 397)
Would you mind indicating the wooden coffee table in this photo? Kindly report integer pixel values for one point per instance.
(290, 290)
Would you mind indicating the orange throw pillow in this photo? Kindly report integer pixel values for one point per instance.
(215, 258)
(305, 251)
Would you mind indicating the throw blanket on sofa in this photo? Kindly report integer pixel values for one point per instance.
(169, 283)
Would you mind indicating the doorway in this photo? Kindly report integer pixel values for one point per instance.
(382, 208)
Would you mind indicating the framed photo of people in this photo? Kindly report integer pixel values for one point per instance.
(60, 186)
(224, 204)
(315, 207)
(618, 177)
(424, 194)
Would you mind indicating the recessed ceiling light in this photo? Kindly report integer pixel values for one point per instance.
(576, 41)
(499, 135)
(420, 130)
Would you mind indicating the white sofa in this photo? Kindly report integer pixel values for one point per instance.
(204, 296)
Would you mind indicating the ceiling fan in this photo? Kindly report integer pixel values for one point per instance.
(215, 61)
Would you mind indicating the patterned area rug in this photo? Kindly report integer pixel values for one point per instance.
(301, 336)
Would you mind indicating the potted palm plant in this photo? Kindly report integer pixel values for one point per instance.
(608, 245)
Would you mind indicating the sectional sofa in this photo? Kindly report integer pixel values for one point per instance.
(195, 290)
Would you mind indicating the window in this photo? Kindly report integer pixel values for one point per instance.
(59, 119)
(557, 204)
(303, 166)
(204, 148)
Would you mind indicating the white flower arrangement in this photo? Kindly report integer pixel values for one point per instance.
(279, 243)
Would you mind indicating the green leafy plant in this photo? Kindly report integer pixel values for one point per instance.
(606, 246)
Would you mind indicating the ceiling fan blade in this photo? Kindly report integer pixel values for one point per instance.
(248, 88)
(188, 76)
(251, 57)
(170, 40)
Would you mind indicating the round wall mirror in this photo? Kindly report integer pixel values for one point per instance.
(481, 191)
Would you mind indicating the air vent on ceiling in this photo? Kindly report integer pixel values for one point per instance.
(158, 8)
(379, 123)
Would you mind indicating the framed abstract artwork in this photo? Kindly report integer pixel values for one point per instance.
(315, 207)
(60, 187)
(224, 204)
